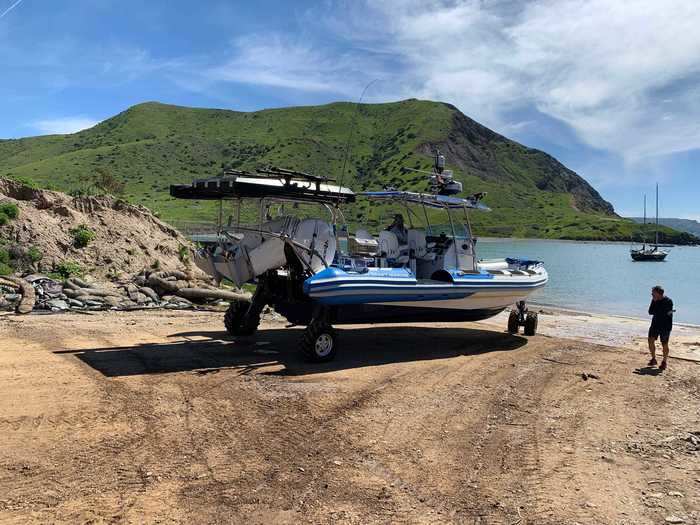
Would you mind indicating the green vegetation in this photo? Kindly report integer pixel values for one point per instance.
(14, 257)
(8, 212)
(140, 152)
(5, 268)
(67, 269)
(34, 255)
(82, 236)
(183, 253)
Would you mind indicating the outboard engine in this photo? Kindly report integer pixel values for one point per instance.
(240, 257)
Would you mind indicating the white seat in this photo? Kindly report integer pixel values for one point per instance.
(417, 243)
(389, 247)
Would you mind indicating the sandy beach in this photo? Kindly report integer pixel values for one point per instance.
(160, 416)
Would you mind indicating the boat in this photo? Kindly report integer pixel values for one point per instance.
(651, 252)
(316, 273)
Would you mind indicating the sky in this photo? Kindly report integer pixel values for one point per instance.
(611, 89)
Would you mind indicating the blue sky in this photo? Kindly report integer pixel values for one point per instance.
(612, 89)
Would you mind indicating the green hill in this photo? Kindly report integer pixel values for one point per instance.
(152, 145)
(682, 225)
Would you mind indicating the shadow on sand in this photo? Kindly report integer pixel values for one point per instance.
(648, 371)
(207, 352)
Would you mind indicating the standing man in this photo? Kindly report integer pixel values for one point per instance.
(661, 308)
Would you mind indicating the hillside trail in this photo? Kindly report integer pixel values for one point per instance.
(161, 417)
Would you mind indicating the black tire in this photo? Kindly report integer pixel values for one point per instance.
(513, 322)
(319, 342)
(531, 324)
(236, 321)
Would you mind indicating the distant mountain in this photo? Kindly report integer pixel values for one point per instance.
(152, 145)
(682, 225)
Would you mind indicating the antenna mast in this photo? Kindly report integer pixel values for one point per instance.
(657, 214)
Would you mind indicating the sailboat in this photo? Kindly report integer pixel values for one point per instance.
(651, 252)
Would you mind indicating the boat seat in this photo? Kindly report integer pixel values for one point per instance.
(418, 243)
(390, 249)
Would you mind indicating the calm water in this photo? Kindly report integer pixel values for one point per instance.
(601, 277)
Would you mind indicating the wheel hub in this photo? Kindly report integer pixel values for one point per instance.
(324, 345)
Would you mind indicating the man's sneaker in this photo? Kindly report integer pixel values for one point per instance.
(652, 362)
(662, 366)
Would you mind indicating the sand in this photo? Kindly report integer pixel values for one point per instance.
(161, 417)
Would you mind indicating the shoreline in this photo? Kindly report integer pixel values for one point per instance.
(485, 238)
(608, 330)
(571, 311)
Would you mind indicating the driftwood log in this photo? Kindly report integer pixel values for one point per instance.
(26, 304)
(206, 293)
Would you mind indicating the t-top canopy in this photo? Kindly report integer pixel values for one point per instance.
(254, 186)
(428, 199)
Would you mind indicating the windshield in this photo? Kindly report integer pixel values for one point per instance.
(461, 231)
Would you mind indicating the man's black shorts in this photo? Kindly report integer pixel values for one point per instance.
(656, 332)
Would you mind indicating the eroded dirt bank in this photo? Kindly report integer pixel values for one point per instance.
(161, 417)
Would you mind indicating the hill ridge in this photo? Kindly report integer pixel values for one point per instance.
(151, 145)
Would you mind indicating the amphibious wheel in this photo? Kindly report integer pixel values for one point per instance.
(513, 322)
(318, 342)
(531, 323)
(236, 320)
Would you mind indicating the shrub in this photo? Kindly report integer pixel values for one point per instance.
(30, 183)
(4, 219)
(9, 209)
(82, 236)
(4, 256)
(68, 268)
(5, 269)
(34, 254)
(183, 254)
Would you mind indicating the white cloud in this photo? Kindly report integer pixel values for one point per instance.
(288, 63)
(621, 74)
(63, 125)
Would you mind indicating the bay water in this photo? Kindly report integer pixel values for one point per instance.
(602, 277)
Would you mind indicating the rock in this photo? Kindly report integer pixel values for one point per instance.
(74, 303)
(141, 298)
(675, 494)
(57, 304)
(112, 300)
(674, 519)
(12, 297)
(93, 303)
(149, 292)
(132, 291)
(35, 277)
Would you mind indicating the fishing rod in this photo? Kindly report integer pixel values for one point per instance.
(350, 132)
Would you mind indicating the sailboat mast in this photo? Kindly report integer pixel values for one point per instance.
(657, 214)
(644, 227)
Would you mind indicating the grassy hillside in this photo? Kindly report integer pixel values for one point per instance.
(682, 225)
(152, 145)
